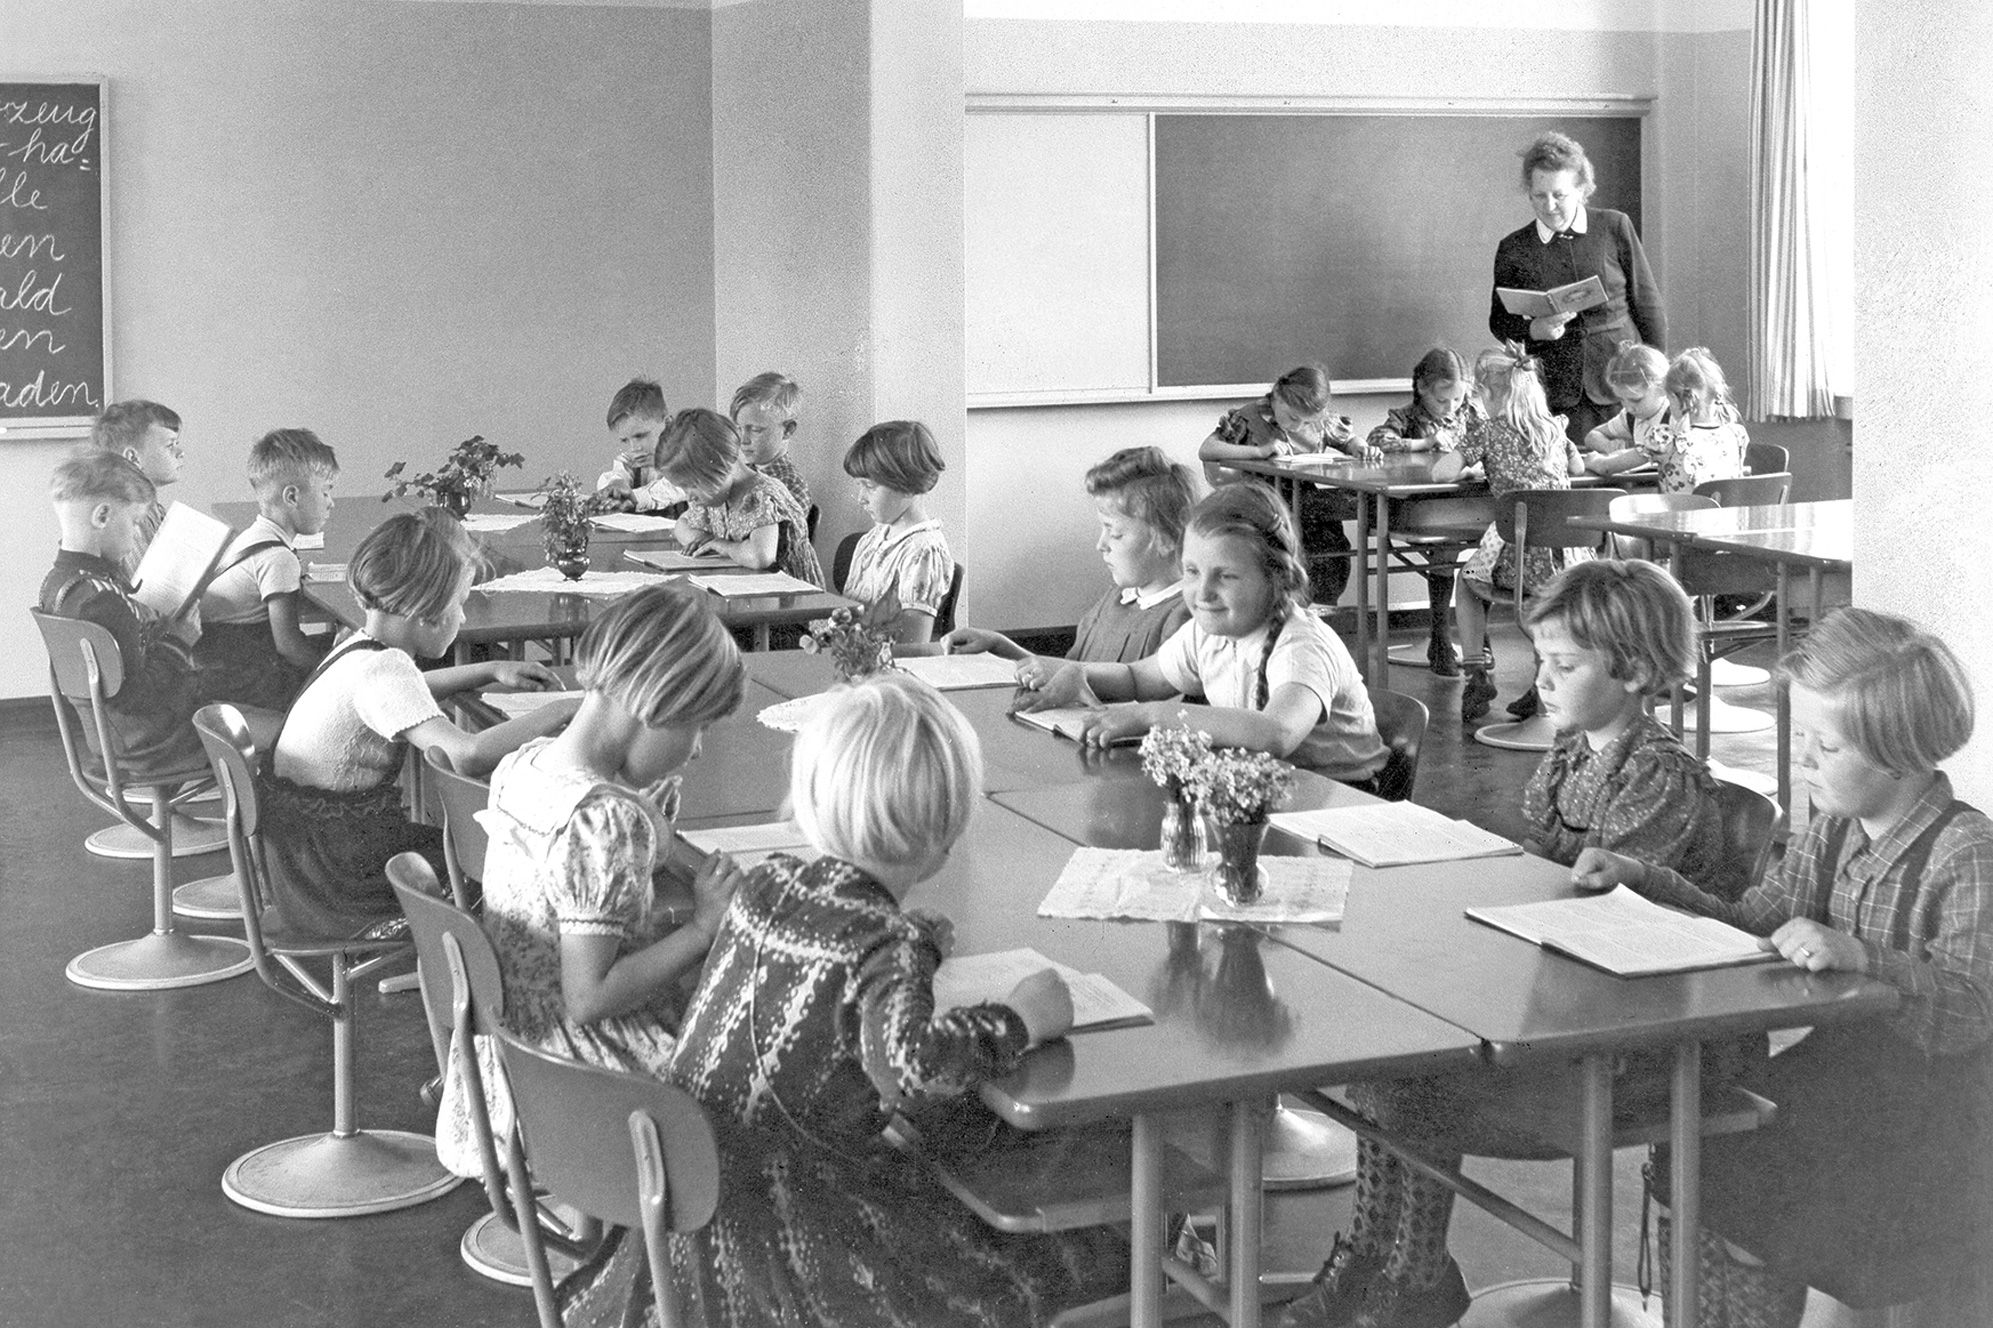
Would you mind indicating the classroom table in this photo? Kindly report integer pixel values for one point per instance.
(1817, 537)
(1398, 493)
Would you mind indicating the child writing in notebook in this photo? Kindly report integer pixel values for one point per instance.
(1705, 437)
(764, 410)
(1520, 445)
(1142, 499)
(579, 823)
(1867, 1183)
(1296, 415)
(815, 1022)
(1441, 411)
(1277, 679)
(734, 510)
(250, 639)
(333, 812)
(637, 416)
(901, 568)
(1609, 634)
(1637, 375)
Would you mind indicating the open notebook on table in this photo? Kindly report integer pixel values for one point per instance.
(979, 979)
(951, 673)
(751, 845)
(1392, 834)
(671, 560)
(1067, 722)
(1625, 934)
(740, 585)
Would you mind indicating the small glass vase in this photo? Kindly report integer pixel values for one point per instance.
(1235, 871)
(1183, 842)
(571, 561)
(457, 504)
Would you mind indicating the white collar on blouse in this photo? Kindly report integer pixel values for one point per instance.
(1134, 595)
(1545, 234)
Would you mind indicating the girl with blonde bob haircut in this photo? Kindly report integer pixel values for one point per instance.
(1869, 1183)
(735, 510)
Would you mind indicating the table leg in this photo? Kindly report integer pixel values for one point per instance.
(1685, 1176)
(1783, 698)
(1364, 664)
(1595, 1217)
(1380, 666)
(1247, 1163)
(1145, 1237)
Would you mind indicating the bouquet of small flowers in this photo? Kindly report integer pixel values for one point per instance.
(1171, 752)
(1237, 787)
(564, 515)
(465, 476)
(854, 645)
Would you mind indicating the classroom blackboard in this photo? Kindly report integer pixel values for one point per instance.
(54, 368)
(1359, 241)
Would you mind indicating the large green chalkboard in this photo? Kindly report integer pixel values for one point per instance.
(1355, 240)
(54, 366)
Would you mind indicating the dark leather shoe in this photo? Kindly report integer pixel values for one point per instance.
(1332, 1300)
(1476, 696)
(1395, 1305)
(1526, 705)
(1442, 657)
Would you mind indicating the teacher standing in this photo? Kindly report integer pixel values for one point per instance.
(1568, 242)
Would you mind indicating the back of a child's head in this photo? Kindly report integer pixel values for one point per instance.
(885, 771)
(1632, 612)
(123, 425)
(777, 391)
(1437, 368)
(640, 397)
(412, 564)
(698, 450)
(1511, 381)
(1146, 486)
(1637, 367)
(662, 654)
(1905, 701)
(93, 475)
(1696, 371)
(900, 455)
(1305, 390)
(289, 456)
(1251, 512)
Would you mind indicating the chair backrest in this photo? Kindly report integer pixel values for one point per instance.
(84, 667)
(944, 616)
(1540, 518)
(464, 839)
(1628, 506)
(1401, 723)
(840, 560)
(576, 1122)
(1749, 818)
(1766, 458)
(233, 756)
(83, 658)
(1748, 490)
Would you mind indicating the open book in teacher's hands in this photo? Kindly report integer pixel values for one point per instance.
(183, 557)
(1575, 297)
(1625, 934)
(1392, 834)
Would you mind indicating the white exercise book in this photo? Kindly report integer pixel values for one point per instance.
(982, 979)
(1625, 934)
(514, 704)
(751, 845)
(743, 585)
(634, 523)
(956, 672)
(671, 560)
(1391, 834)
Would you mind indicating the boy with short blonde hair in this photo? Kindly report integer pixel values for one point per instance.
(764, 411)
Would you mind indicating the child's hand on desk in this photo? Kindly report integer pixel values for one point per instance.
(518, 675)
(1361, 449)
(691, 541)
(1815, 948)
(713, 890)
(664, 795)
(1044, 1003)
(1066, 687)
(970, 641)
(1104, 726)
(1034, 671)
(1597, 870)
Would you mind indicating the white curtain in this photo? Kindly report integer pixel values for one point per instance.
(1802, 203)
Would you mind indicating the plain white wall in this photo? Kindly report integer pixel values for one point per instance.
(396, 224)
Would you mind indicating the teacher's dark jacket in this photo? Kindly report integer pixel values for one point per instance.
(1574, 364)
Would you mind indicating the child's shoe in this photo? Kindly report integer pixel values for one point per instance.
(1395, 1305)
(1338, 1290)
(1476, 696)
(1527, 705)
(1440, 654)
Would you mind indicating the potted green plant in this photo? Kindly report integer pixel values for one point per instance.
(1237, 789)
(564, 530)
(465, 476)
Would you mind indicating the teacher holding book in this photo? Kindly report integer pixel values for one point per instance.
(1574, 334)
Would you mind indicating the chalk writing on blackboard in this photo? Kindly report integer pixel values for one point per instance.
(52, 344)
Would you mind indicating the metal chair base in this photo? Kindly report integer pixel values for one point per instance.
(159, 962)
(492, 1249)
(211, 899)
(1553, 1303)
(190, 837)
(1305, 1150)
(329, 1175)
(1723, 717)
(1535, 734)
(1728, 673)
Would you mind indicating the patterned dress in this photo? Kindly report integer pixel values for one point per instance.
(782, 468)
(1516, 462)
(764, 501)
(569, 855)
(1413, 420)
(914, 564)
(1688, 454)
(814, 1023)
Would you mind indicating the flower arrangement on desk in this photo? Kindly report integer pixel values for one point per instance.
(1169, 754)
(1237, 789)
(466, 475)
(850, 637)
(564, 528)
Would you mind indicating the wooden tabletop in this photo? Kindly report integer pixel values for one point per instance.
(1816, 534)
(1406, 474)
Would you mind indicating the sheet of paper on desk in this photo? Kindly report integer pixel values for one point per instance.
(534, 499)
(751, 845)
(313, 541)
(671, 560)
(634, 523)
(549, 581)
(983, 978)
(1292, 890)
(746, 584)
(955, 672)
(1623, 933)
(1313, 459)
(320, 574)
(514, 704)
(1131, 883)
(1391, 834)
(491, 523)
(788, 716)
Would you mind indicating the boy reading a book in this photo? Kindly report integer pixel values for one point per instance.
(251, 643)
(100, 498)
